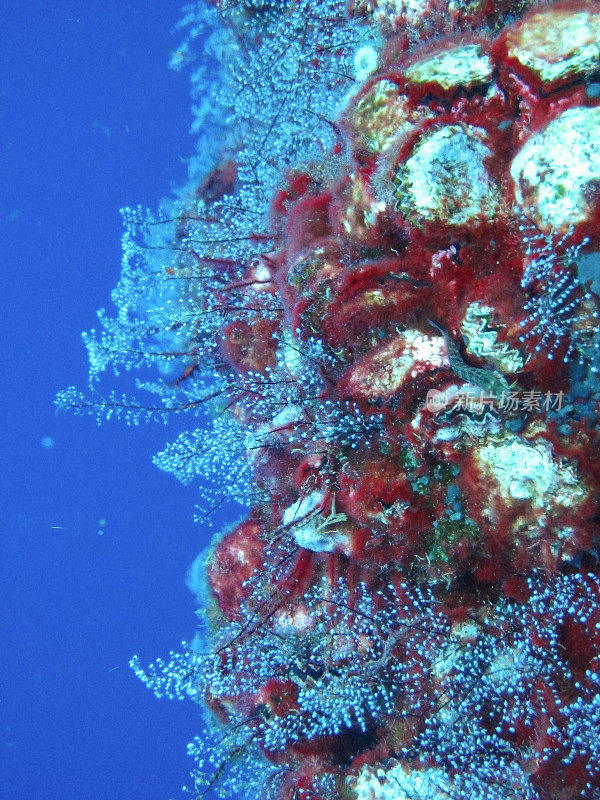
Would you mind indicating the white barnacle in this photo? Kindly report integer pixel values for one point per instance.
(365, 62)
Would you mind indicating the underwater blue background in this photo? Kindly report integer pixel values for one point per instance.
(95, 541)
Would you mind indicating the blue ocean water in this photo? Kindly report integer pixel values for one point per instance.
(95, 541)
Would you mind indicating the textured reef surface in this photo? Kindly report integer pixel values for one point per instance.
(375, 310)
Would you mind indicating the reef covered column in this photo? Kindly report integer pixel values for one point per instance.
(378, 292)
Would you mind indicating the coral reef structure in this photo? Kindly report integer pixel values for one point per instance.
(374, 294)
